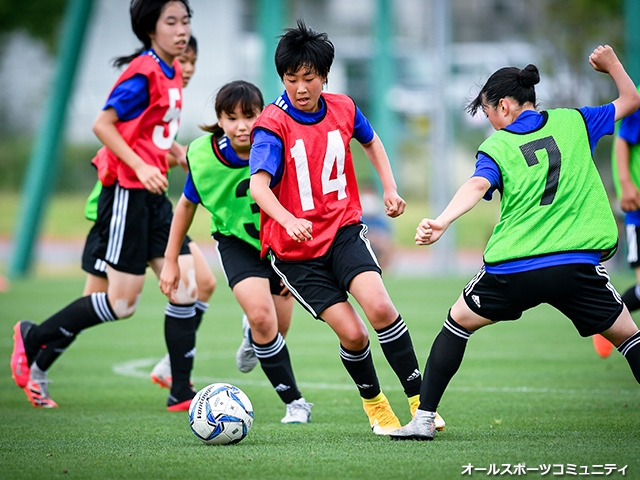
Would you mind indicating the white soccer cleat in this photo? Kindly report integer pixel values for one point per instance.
(161, 373)
(422, 427)
(246, 359)
(298, 411)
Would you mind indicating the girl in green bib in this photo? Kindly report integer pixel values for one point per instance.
(219, 179)
(555, 227)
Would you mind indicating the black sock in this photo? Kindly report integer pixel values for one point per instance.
(201, 308)
(630, 298)
(50, 352)
(630, 348)
(180, 337)
(68, 322)
(397, 347)
(443, 363)
(360, 366)
(276, 364)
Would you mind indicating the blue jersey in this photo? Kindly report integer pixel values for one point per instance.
(131, 97)
(629, 131)
(266, 150)
(599, 122)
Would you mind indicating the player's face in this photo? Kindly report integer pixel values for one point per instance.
(237, 126)
(188, 63)
(304, 88)
(173, 30)
(492, 113)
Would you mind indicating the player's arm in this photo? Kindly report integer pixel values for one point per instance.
(629, 197)
(377, 155)
(298, 229)
(178, 156)
(603, 59)
(182, 220)
(105, 129)
(467, 196)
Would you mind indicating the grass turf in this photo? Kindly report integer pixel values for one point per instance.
(530, 392)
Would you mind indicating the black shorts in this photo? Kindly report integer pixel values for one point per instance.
(90, 262)
(633, 249)
(133, 228)
(321, 282)
(580, 291)
(241, 260)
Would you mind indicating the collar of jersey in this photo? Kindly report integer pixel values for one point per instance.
(298, 115)
(228, 154)
(168, 70)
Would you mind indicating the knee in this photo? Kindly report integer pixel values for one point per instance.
(206, 287)
(355, 339)
(124, 308)
(261, 320)
(186, 293)
(381, 313)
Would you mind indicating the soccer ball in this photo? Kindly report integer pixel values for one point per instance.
(220, 414)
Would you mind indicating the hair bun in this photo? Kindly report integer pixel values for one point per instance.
(529, 76)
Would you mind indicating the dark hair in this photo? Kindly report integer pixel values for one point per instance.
(507, 82)
(193, 45)
(144, 17)
(238, 92)
(304, 47)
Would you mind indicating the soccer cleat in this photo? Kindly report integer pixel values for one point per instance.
(246, 359)
(38, 394)
(439, 421)
(298, 411)
(20, 368)
(381, 416)
(161, 373)
(173, 405)
(414, 403)
(603, 346)
(422, 427)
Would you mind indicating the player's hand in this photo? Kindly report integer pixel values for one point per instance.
(152, 178)
(285, 292)
(169, 278)
(299, 230)
(603, 58)
(429, 231)
(394, 205)
(630, 197)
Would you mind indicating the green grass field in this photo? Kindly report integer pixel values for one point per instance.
(531, 392)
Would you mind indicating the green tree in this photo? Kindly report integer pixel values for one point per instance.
(40, 18)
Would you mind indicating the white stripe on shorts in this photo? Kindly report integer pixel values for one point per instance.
(293, 291)
(117, 225)
(632, 244)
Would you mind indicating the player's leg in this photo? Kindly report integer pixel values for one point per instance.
(38, 386)
(118, 303)
(356, 357)
(631, 297)
(180, 331)
(369, 291)
(255, 296)
(206, 281)
(624, 335)
(443, 363)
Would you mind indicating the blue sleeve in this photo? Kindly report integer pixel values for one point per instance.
(189, 190)
(600, 122)
(487, 168)
(362, 129)
(266, 154)
(629, 129)
(129, 98)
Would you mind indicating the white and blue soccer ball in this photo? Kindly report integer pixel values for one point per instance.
(221, 414)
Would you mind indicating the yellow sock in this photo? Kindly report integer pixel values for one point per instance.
(378, 398)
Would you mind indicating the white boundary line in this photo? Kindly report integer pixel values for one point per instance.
(142, 367)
